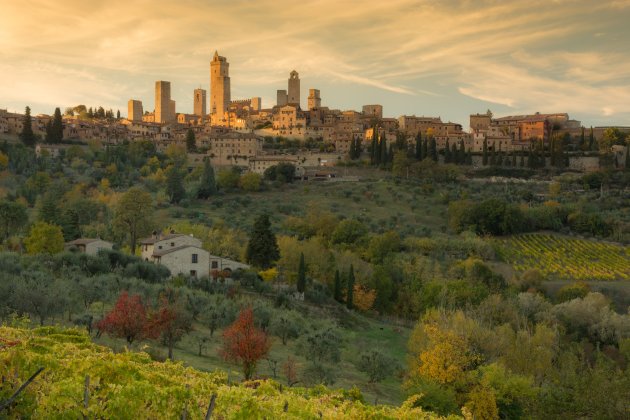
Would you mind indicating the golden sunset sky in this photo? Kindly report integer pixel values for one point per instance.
(423, 57)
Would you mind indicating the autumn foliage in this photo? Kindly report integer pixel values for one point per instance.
(129, 319)
(244, 343)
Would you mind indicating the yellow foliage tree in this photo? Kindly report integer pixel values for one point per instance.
(269, 275)
(482, 404)
(4, 161)
(44, 239)
(363, 298)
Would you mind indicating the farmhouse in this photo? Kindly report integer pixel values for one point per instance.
(88, 246)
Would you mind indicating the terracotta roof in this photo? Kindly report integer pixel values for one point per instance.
(159, 238)
(83, 241)
(162, 252)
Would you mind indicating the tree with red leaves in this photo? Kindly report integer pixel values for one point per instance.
(244, 343)
(171, 320)
(129, 320)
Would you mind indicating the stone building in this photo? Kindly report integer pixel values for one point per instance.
(134, 110)
(181, 254)
(373, 111)
(230, 148)
(260, 164)
(281, 98)
(220, 94)
(314, 100)
(88, 246)
(200, 102)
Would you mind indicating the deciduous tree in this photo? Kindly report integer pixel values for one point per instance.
(132, 216)
(244, 343)
(44, 239)
(128, 319)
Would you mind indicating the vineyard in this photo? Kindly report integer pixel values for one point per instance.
(131, 385)
(563, 258)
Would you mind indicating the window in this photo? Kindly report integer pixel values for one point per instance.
(195, 258)
(215, 264)
(159, 246)
(172, 243)
(193, 273)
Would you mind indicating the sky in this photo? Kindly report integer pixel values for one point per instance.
(441, 58)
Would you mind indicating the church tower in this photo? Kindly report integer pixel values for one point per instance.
(219, 87)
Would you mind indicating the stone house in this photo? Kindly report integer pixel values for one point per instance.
(181, 254)
(88, 245)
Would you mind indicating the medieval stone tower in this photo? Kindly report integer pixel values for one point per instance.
(219, 86)
(294, 89)
(314, 100)
(200, 102)
(163, 102)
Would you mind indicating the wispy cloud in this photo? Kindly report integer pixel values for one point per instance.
(515, 55)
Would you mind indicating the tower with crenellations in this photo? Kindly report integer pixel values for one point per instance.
(293, 95)
(164, 109)
(199, 101)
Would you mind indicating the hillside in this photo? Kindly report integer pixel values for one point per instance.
(131, 385)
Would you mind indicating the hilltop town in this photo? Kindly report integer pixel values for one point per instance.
(241, 132)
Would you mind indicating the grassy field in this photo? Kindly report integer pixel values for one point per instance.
(566, 258)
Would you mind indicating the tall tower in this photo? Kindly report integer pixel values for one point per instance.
(314, 101)
(162, 102)
(134, 110)
(219, 86)
(199, 101)
(294, 89)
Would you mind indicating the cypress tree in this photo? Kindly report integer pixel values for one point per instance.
(425, 149)
(552, 152)
(418, 153)
(522, 159)
(190, 141)
(493, 156)
(175, 184)
(118, 114)
(301, 281)
(462, 152)
(447, 152)
(433, 150)
(627, 162)
(485, 153)
(591, 141)
(49, 133)
(513, 159)
(350, 292)
(455, 154)
(383, 152)
(57, 127)
(207, 184)
(582, 140)
(337, 291)
(262, 249)
(27, 136)
(390, 154)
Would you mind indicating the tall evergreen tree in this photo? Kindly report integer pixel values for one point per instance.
(592, 144)
(383, 155)
(337, 291)
(454, 154)
(175, 184)
(418, 151)
(301, 280)
(376, 151)
(627, 161)
(57, 127)
(582, 143)
(493, 156)
(447, 152)
(118, 114)
(358, 149)
(390, 154)
(433, 150)
(462, 152)
(262, 249)
(27, 136)
(207, 183)
(49, 138)
(484, 159)
(425, 149)
(350, 291)
(513, 159)
(190, 141)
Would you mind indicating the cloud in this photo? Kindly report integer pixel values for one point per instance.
(523, 55)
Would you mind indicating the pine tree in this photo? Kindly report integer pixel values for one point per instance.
(418, 152)
(337, 292)
(433, 150)
(27, 136)
(485, 153)
(57, 127)
(190, 141)
(301, 281)
(350, 291)
(207, 183)
(262, 249)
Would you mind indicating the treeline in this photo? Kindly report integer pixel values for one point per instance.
(499, 217)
